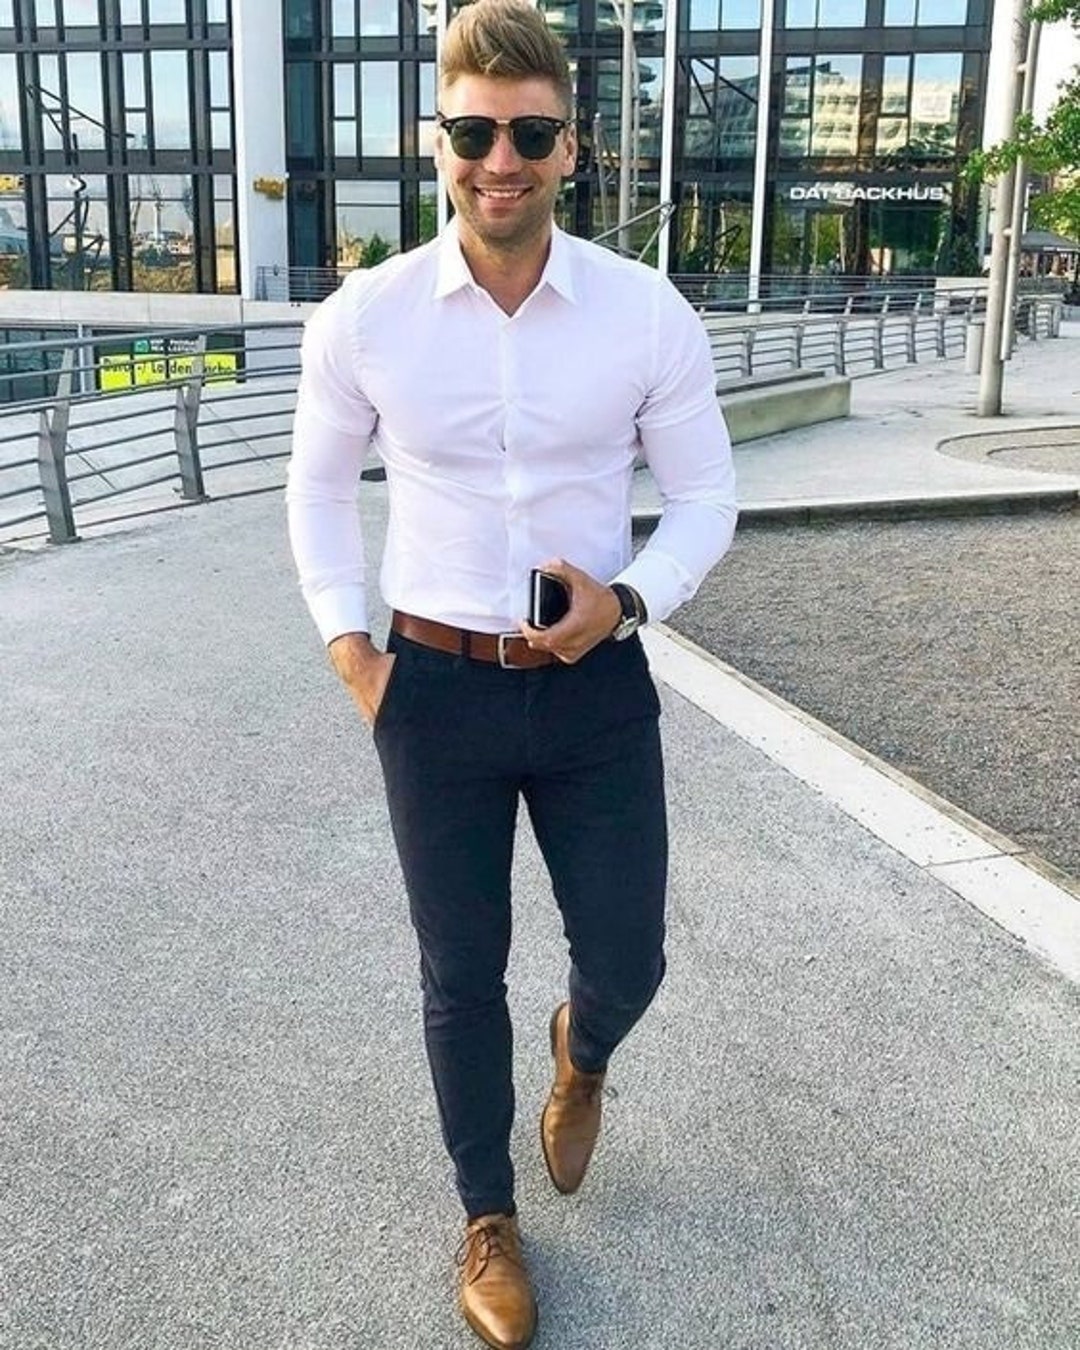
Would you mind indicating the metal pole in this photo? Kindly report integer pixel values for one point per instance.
(442, 201)
(992, 371)
(667, 133)
(52, 456)
(186, 426)
(761, 151)
(626, 123)
(1016, 227)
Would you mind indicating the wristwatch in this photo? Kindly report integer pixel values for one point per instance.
(633, 609)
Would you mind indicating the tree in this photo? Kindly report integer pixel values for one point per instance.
(1052, 149)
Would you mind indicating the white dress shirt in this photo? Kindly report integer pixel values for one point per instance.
(507, 439)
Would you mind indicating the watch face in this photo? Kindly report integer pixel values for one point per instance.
(631, 617)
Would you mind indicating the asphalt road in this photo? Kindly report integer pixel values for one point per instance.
(948, 647)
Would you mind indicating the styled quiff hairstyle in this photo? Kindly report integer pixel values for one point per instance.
(507, 40)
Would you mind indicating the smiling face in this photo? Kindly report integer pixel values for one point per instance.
(504, 203)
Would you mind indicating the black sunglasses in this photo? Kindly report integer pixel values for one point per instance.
(473, 137)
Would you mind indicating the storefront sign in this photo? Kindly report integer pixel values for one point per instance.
(158, 360)
(843, 194)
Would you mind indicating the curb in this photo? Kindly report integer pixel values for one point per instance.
(1035, 902)
(894, 508)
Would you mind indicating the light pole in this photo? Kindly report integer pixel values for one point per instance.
(626, 122)
(1016, 225)
(991, 371)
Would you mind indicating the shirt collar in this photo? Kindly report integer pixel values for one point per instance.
(453, 271)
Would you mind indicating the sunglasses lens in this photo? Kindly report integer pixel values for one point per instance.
(534, 137)
(472, 137)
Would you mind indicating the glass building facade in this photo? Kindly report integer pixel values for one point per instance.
(116, 145)
(119, 123)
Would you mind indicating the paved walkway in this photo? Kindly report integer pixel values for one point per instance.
(849, 1124)
(888, 451)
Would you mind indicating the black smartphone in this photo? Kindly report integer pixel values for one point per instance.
(549, 600)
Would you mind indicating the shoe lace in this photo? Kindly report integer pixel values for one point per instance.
(488, 1239)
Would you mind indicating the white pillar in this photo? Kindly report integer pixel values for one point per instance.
(667, 130)
(627, 148)
(262, 230)
(761, 150)
(442, 201)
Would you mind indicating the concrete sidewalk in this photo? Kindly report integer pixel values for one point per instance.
(850, 1122)
(907, 442)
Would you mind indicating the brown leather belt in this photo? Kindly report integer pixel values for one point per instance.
(509, 650)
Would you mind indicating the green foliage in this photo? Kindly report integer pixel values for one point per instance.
(957, 256)
(1052, 149)
(375, 250)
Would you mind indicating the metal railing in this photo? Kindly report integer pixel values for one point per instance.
(119, 426)
(298, 285)
(177, 418)
(901, 329)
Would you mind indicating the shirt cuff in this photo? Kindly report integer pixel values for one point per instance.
(342, 609)
(660, 582)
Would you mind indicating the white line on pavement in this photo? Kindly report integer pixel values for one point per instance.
(973, 861)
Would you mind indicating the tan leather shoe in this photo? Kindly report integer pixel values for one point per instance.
(571, 1119)
(496, 1295)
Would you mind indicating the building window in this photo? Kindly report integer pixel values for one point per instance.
(825, 14)
(224, 235)
(820, 115)
(713, 228)
(85, 107)
(170, 102)
(14, 241)
(380, 131)
(79, 231)
(708, 16)
(81, 14)
(562, 15)
(920, 110)
(721, 122)
(368, 222)
(345, 111)
(301, 105)
(378, 18)
(220, 101)
(925, 13)
(10, 136)
(163, 239)
(166, 11)
(135, 115)
(343, 19)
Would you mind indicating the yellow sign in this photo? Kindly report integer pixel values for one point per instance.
(127, 372)
(11, 182)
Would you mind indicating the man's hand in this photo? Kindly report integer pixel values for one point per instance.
(364, 670)
(594, 613)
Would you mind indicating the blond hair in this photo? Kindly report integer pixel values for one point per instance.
(507, 40)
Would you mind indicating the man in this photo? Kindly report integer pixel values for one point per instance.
(508, 376)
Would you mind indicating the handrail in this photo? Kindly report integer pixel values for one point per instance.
(203, 420)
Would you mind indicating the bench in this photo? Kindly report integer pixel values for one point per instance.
(781, 400)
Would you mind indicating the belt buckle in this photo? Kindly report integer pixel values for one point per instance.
(500, 650)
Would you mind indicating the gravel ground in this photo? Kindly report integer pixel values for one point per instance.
(947, 647)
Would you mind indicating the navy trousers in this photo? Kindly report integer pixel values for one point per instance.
(461, 742)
